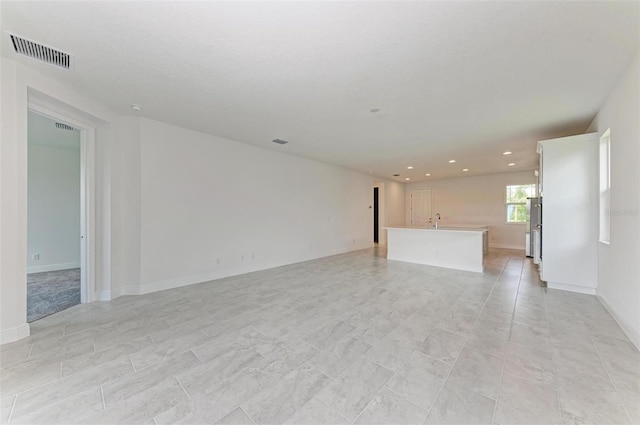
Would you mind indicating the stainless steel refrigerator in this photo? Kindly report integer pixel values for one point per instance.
(534, 216)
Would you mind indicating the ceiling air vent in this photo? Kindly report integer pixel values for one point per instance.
(41, 52)
(280, 141)
(62, 126)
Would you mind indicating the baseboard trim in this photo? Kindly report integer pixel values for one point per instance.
(53, 267)
(228, 272)
(14, 334)
(571, 288)
(630, 333)
(501, 246)
(103, 296)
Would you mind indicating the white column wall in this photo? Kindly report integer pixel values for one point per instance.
(13, 197)
(618, 265)
(395, 207)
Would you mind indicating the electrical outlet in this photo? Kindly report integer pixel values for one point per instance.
(217, 260)
(242, 258)
(36, 256)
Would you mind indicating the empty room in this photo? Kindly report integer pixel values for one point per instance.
(319, 212)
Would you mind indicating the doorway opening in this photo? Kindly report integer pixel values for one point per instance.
(57, 219)
(375, 216)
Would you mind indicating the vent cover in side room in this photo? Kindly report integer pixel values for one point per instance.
(41, 52)
(63, 126)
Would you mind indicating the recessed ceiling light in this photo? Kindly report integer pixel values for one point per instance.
(511, 164)
(136, 107)
(506, 153)
(374, 110)
(407, 178)
(280, 141)
(409, 167)
(396, 175)
(465, 169)
(428, 174)
(451, 161)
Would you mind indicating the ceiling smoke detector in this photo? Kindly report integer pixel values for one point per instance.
(40, 52)
(280, 141)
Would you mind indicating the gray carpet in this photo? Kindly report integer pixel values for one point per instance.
(50, 292)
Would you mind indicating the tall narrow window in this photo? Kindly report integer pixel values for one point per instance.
(605, 187)
(516, 202)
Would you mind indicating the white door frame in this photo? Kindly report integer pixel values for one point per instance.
(87, 199)
(382, 234)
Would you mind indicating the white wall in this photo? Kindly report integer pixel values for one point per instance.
(395, 207)
(18, 86)
(13, 214)
(169, 202)
(476, 200)
(53, 202)
(126, 204)
(618, 265)
(212, 207)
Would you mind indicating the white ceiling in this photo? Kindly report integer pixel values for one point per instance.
(453, 80)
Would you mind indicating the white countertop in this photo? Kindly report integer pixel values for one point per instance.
(446, 228)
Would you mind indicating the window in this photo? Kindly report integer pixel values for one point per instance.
(605, 186)
(516, 202)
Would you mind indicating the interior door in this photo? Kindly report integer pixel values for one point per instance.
(421, 208)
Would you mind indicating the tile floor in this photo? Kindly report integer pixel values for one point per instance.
(346, 339)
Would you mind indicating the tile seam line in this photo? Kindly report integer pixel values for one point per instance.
(331, 408)
(245, 412)
(615, 387)
(466, 338)
(374, 397)
(13, 405)
(408, 401)
(553, 360)
(504, 358)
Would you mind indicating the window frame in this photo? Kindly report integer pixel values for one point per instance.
(604, 193)
(531, 193)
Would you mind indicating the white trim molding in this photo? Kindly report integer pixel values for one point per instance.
(103, 296)
(571, 288)
(221, 273)
(14, 334)
(506, 246)
(634, 337)
(53, 267)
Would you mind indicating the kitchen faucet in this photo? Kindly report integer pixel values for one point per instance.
(437, 219)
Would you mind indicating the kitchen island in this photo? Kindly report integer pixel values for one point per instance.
(453, 247)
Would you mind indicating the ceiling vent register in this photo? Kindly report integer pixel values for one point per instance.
(41, 52)
(62, 126)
